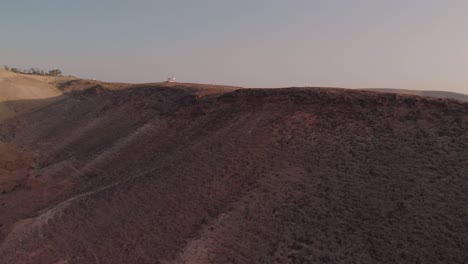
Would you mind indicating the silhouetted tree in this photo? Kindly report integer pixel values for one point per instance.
(35, 71)
(55, 72)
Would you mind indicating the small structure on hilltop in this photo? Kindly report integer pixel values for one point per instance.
(171, 79)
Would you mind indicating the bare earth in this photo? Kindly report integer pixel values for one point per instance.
(441, 94)
(15, 89)
(189, 173)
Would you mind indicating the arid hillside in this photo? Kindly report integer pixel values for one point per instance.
(19, 93)
(185, 173)
(437, 94)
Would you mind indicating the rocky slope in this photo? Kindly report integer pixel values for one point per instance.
(187, 173)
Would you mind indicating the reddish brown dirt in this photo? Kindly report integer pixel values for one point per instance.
(182, 174)
(438, 94)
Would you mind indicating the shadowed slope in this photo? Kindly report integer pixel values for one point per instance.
(438, 94)
(162, 175)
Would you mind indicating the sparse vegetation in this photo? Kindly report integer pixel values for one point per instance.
(316, 175)
(34, 71)
(55, 72)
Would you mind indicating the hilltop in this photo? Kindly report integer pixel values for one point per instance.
(15, 89)
(439, 94)
(191, 173)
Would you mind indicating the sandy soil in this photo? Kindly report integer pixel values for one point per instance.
(15, 88)
(19, 87)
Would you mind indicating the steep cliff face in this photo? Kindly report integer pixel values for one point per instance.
(187, 174)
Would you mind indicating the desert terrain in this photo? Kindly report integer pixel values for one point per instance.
(21, 93)
(95, 172)
(439, 94)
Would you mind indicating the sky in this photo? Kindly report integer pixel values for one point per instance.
(408, 44)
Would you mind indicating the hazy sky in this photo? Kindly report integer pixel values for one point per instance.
(417, 44)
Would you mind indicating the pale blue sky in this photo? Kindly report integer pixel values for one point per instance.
(415, 44)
